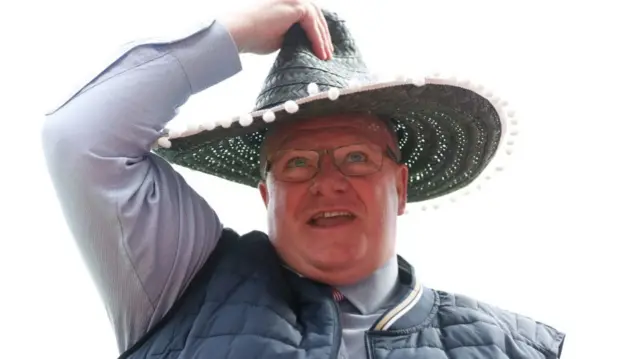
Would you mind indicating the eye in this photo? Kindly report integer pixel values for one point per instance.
(297, 162)
(356, 156)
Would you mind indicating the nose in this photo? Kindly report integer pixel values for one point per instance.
(329, 180)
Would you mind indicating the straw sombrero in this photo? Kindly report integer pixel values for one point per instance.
(448, 132)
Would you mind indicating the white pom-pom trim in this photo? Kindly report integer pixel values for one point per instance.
(313, 89)
(268, 116)
(333, 94)
(502, 155)
(164, 142)
(208, 126)
(225, 122)
(291, 106)
(246, 120)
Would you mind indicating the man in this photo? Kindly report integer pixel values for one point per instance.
(335, 166)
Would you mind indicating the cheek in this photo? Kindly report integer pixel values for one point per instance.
(284, 200)
(380, 198)
(386, 196)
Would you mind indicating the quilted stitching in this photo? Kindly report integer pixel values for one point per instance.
(244, 309)
(466, 328)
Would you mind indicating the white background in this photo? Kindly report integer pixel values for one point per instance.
(553, 237)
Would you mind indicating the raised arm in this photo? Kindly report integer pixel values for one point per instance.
(142, 231)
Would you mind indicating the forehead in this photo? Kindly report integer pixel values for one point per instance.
(329, 131)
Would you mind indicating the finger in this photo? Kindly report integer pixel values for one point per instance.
(326, 35)
(311, 26)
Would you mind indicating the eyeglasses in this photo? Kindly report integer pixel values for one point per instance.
(293, 165)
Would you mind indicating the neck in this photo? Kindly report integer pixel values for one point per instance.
(372, 292)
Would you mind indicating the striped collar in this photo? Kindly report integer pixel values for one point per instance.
(415, 306)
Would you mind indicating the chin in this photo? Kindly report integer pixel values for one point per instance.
(334, 262)
(339, 274)
(332, 267)
(338, 263)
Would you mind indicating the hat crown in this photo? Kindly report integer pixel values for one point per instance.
(447, 132)
(296, 65)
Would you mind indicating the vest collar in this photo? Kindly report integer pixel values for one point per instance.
(415, 306)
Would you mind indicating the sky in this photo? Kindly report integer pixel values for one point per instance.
(551, 237)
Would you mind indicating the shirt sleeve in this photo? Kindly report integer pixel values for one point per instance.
(141, 230)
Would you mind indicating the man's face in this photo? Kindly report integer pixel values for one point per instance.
(332, 214)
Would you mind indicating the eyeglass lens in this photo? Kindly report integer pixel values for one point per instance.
(295, 165)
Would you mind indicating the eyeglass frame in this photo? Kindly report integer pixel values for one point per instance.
(321, 152)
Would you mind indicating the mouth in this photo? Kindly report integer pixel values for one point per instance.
(328, 219)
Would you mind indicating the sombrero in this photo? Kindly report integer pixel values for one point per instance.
(448, 131)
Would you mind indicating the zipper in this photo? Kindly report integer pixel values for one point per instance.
(337, 331)
(367, 345)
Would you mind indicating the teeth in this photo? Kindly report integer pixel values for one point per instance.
(331, 214)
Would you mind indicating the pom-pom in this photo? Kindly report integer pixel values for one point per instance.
(269, 116)
(209, 125)
(164, 142)
(334, 93)
(226, 123)
(510, 128)
(313, 89)
(291, 107)
(246, 120)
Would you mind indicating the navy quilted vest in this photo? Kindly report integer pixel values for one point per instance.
(244, 304)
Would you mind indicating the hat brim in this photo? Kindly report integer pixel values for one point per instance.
(448, 132)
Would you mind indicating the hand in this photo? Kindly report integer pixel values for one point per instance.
(261, 28)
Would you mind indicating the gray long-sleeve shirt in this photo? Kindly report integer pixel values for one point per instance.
(142, 231)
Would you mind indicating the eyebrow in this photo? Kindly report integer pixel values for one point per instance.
(394, 147)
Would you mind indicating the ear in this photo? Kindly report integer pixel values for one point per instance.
(264, 192)
(402, 184)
